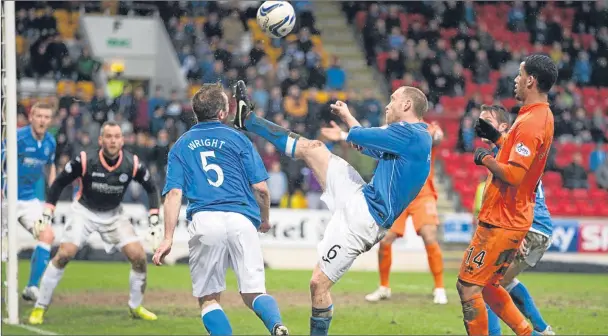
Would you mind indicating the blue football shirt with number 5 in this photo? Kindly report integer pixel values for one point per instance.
(215, 166)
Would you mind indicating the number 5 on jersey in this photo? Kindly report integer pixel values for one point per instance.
(211, 166)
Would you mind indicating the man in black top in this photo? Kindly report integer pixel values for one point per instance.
(104, 176)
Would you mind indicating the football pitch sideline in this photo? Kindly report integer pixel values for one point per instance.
(92, 300)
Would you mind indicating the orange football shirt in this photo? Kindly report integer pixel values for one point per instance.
(527, 145)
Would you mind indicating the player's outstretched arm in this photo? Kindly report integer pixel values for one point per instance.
(71, 172)
(143, 177)
(52, 174)
(335, 133)
(262, 197)
(173, 202)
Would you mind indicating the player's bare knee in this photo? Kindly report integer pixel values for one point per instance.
(319, 283)
(139, 265)
(47, 236)
(467, 290)
(428, 234)
(388, 239)
(64, 255)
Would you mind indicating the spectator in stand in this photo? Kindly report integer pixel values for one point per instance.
(574, 174)
(581, 126)
(257, 52)
(395, 67)
(599, 126)
(158, 119)
(142, 118)
(86, 66)
(295, 78)
(275, 104)
(316, 75)
(396, 40)
(601, 176)
(155, 101)
(517, 14)
(599, 76)
(313, 190)
(372, 109)
(336, 76)
(597, 157)
(295, 105)
(174, 106)
(582, 69)
(466, 136)
(260, 95)
(233, 28)
(212, 26)
(277, 183)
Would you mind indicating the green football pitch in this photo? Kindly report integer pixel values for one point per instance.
(92, 300)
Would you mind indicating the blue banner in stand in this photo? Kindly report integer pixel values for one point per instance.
(457, 227)
(565, 235)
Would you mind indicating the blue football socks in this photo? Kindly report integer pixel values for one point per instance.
(267, 309)
(320, 320)
(283, 139)
(215, 320)
(40, 259)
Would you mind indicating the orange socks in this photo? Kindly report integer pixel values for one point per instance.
(475, 316)
(501, 303)
(385, 258)
(435, 258)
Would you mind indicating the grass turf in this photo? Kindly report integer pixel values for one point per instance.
(91, 300)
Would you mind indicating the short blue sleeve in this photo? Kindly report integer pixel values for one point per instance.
(254, 166)
(175, 172)
(53, 149)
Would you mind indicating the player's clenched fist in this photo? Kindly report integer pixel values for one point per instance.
(162, 251)
(340, 109)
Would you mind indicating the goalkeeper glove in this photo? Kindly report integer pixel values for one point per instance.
(46, 220)
(485, 130)
(155, 233)
(481, 153)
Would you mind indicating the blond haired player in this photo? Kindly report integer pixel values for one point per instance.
(423, 211)
(36, 157)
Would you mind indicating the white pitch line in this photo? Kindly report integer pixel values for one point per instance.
(33, 329)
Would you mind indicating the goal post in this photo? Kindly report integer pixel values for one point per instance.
(9, 134)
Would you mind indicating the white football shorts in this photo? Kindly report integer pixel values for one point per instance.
(351, 230)
(219, 240)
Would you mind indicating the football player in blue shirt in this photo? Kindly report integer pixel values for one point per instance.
(495, 121)
(221, 174)
(362, 212)
(36, 157)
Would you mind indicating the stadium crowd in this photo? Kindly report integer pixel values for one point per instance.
(444, 48)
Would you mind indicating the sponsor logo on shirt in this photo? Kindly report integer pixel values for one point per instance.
(522, 150)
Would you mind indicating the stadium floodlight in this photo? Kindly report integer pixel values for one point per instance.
(9, 137)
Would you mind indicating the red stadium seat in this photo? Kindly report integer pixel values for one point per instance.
(487, 89)
(381, 61)
(579, 194)
(509, 103)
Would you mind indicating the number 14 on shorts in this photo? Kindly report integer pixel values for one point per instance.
(477, 260)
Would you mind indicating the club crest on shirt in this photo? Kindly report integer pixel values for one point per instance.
(522, 150)
(46, 151)
(123, 178)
